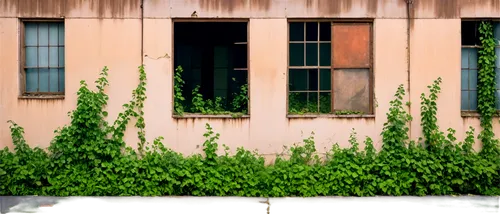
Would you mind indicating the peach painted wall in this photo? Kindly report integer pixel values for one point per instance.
(109, 34)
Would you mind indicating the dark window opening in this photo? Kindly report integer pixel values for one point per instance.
(214, 57)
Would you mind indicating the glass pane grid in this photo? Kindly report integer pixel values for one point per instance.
(44, 62)
(469, 79)
(309, 59)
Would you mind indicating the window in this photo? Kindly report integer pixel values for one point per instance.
(43, 57)
(330, 68)
(469, 73)
(213, 56)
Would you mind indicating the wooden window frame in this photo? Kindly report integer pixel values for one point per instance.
(370, 23)
(222, 20)
(22, 62)
(473, 113)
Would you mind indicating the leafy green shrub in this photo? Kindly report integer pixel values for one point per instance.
(89, 157)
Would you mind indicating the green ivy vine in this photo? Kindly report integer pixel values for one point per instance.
(486, 87)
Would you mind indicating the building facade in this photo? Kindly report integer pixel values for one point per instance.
(342, 59)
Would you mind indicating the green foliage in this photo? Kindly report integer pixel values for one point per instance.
(303, 105)
(178, 97)
(239, 103)
(348, 112)
(486, 88)
(428, 112)
(88, 157)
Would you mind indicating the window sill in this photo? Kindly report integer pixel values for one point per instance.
(41, 97)
(330, 116)
(221, 116)
(475, 114)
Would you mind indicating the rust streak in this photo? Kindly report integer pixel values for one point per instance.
(441, 9)
(232, 5)
(57, 8)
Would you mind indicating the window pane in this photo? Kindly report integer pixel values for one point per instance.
(465, 101)
(43, 79)
(312, 104)
(352, 43)
(325, 51)
(465, 57)
(473, 58)
(311, 31)
(472, 79)
(240, 56)
(325, 102)
(473, 100)
(43, 34)
(296, 54)
(470, 33)
(31, 57)
(313, 79)
(61, 80)
(297, 102)
(54, 80)
(43, 56)
(312, 54)
(496, 33)
(497, 77)
(352, 90)
(324, 31)
(61, 33)
(31, 80)
(497, 53)
(325, 79)
(465, 80)
(297, 79)
(61, 57)
(30, 34)
(497, 100)
(238, 79)
(53, 34)
(296, 31)
(53, 56)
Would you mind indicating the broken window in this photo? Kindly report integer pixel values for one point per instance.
(330, 68)
(42, 57)
(214, 59)
(469, 72)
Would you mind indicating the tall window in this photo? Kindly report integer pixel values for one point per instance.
(43, 57)
(330, 68)
(469, 74)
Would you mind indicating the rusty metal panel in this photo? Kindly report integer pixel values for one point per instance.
(352, 90)
(351, 45)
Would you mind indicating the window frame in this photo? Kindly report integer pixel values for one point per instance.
(22, 61)
(371, 82)
(473, 113)
(172, 81)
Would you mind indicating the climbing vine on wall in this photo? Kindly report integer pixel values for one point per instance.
(486, 87)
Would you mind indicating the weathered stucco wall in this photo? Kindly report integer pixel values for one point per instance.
(108, 33)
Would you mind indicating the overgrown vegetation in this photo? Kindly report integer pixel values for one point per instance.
(88, 157)
(237, 107)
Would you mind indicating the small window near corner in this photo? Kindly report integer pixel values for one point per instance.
(42, 58)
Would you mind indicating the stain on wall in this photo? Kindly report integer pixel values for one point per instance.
(60, 8)
(365, 8)
(440, 9)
